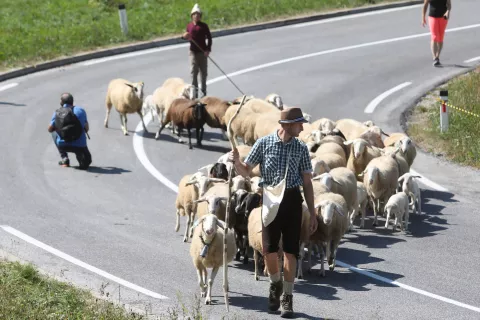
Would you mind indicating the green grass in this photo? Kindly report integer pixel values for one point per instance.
(26, 294)
(32, 31)
(461, 143)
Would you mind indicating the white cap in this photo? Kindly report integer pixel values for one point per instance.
(196, 8)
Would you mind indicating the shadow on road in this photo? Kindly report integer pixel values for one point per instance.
(107, 170)
(12, 104)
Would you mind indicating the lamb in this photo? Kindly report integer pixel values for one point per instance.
(149, 106)
(410, 187)
(127, 97)
(171, 89)
(188, 114)
(362, 199)
(206, 251)
(342, 181)
(361, 153)
(332, 225)
(398, 205)
(190, 188)
(380, 178)
(276, 100)
(216, 109)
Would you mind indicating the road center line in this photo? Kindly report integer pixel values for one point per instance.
(79, 263)
(375, 102)
(8, 86)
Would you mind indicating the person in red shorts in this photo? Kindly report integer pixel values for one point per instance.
(438, 15)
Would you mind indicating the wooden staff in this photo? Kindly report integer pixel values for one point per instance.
(234, 146)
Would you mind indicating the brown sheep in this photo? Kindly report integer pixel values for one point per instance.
(188, 114)
(216, 109)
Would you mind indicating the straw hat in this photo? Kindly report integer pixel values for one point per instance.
(292, 115)
(196, 8)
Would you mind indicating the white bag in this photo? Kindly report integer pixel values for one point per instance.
(272, 197)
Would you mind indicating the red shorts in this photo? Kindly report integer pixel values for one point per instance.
(437, 28)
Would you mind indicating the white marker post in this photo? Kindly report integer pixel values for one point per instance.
(123, 18)
(444, 111)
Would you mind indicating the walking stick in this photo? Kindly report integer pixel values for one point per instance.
(225, 266)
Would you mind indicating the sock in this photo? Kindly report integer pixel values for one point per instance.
(275, 277)
(287, 287)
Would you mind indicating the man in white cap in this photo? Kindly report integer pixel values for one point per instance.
(200, 46)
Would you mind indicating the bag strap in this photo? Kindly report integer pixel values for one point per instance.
(288, 161)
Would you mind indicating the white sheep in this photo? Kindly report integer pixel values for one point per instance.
(149, 106)
(380, 178)
(244, 125)
(206, 251)
(266, 124)
(409, 151)
(214, 201)
(397, 205)
(362, 199)
(332, 147)
(190, 188)
(353, 129)
(319, 166)
(402, 163)
(127, 97)
(361, 153)
(411, 188)
(324, 124)
(276, 100)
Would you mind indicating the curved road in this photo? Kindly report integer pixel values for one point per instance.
(119, 217)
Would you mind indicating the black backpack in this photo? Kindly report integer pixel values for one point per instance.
(67, 125)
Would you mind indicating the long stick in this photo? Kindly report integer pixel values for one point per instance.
(230, 174)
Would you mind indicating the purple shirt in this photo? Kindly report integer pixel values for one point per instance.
(200, 32)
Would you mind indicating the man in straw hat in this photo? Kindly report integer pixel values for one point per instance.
(200, 46)
(272, 152)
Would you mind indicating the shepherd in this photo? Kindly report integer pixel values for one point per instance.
(284, 165)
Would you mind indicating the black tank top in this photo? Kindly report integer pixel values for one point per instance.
(437, 8)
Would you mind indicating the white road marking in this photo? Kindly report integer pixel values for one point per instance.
(472, 60)
(135, 54)
(428, 182)
(8, 86)
(138, 147)
(375, 102)
(79, 263)
(407, 287)
(353, 16)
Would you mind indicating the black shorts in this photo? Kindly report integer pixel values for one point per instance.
(287, 224)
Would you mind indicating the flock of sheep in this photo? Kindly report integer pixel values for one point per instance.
(353, 167)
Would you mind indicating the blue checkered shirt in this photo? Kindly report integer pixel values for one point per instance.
(271, 153)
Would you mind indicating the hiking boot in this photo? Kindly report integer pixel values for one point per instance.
(436, 62)
(65, 162)
(287, 309)
(276, 289)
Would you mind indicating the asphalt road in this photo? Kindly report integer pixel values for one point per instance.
(120, 218)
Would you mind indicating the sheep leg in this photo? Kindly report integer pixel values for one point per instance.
(375, 212)
(245, 249)
(123, 123)
(309, 257)
(198, 136)
(213, 274)
(255, 260)
(189, 139)
(162, 126)
(395, 224)
(187, 227)
(407, 215)
(143, 123)
(179, 133)
(224, 134)
(201, 273)
(300, 260)
(322, 259)
(333, 253)
(194, 213)
(177, 223)
(109, 108)
(419, 203)
(388, 219)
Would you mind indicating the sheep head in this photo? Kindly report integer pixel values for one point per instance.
(328, 209)
(213, 201)
(405, 144)
(209, 222)
(276, 100)
(199, 111)
(319, 167)
(371, 173)
(137, 89)
(202, 182)
(359, 147)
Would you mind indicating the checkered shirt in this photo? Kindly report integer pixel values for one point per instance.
(271, 153)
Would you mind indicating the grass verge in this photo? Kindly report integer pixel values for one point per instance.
(33, 31)
(461, 143)
(26, 294)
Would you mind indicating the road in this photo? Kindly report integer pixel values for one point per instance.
(119, 217)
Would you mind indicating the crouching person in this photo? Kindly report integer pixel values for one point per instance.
(68, 127)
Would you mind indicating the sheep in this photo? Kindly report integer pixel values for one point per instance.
(276, 100)
(342, 181)
(206, 251)
(266, 124)
(331, 147)
(171, 89)
(409, 151)
(218, 170)
(319, 166)
(380, 178)
(402, 163)
(411, 188)
(260, 106)
(324, 124)
(369, 123)
(240, 183)
(127, 97)
(361, 153)
(332, 225)
(216, 109)
(243, 151)
(149, 105)
(188, 114)
(254, 184)
(398, 205)
(353, 129)
(244, 125)
(307, 117)
(331, 160)
(362, 199)
(214, 200)
(190, 188)
(394, 138)
(305, 135)
(242, 204)
(255, 239)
